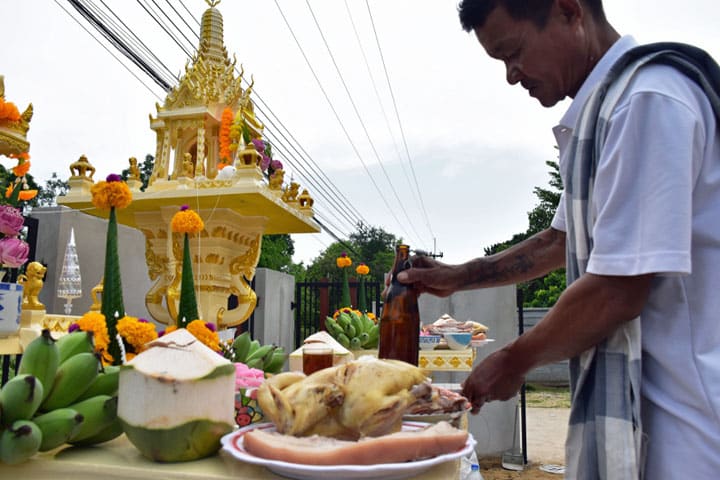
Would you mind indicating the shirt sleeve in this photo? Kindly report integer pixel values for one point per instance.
(642, 195)
(558, 221)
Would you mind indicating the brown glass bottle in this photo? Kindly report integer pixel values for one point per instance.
(400, 319)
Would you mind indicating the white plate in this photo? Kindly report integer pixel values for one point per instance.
(233, 444)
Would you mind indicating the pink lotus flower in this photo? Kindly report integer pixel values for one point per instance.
(11, 220)
(13, 252)
(276, 165)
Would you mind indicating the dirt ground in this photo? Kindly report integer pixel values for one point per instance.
(547, 416)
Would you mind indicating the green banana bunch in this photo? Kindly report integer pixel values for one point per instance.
(257, 358)
(106, 382)
(73, 377)
(98, 413)
(19, 442)
(20, 398)
(352, 330)
(57, 427)
(74, 343)
(41, 359)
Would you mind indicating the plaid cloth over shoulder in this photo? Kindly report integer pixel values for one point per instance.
(605, 437)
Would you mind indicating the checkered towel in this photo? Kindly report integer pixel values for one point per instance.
(605, 438)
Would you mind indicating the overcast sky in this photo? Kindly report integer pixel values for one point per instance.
(478, 146)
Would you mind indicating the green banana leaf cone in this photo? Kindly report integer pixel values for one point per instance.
(112, 297)
(187, 309)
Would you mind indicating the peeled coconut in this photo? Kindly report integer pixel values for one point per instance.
(177, 399)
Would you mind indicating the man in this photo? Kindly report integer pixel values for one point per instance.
(638, 230)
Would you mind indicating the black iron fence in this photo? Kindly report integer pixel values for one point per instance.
(314, 301)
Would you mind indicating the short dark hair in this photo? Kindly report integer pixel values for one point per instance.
(474, 13)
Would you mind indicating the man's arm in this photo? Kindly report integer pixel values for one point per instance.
(532, 258)
(587, 312)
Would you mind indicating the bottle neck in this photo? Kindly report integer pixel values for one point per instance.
(402, 260)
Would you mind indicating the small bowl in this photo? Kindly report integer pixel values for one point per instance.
(429, 342)
(458, 341)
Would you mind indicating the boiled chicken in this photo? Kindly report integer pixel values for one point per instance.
(366, 397)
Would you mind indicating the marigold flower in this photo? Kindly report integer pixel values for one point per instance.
(112, 192)
(136, 332)
(343, 260)
(8, 111)
(200, 331)
(186, 221)
(362, 269)
(21, 169)
(95, 322)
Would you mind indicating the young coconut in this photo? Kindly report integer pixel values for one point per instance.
(177, 399)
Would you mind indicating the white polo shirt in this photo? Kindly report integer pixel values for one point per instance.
(657, 204)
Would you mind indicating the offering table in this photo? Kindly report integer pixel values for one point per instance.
(118, 459)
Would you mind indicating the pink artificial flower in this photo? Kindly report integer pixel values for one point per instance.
(246, 377)
(259, 145)
(11, 220)
(264, 163)
(276, 165)
(13, 252)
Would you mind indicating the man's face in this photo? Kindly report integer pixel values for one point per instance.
(545, 62)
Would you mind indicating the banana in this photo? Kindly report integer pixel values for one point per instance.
(355, 343)
(57, 427)
(74, 343)
(276, 362)
(114, 430)
(344, 320)
(106, 383)
(374, 336)
(364, 338)
(344, 340)
(241, 346)
(20, 398)
(73, 377)
(332, 327)
(254, 345)
(367, 323)
(98, 412)
(19, 442)
(41, 359)
(357, 322)
(350, 331)
(260, 353)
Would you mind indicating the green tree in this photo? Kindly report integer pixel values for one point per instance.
(544, 291)
(277, 252)
(53, 188)
(370, 245)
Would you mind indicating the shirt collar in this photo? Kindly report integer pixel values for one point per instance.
(624, 44)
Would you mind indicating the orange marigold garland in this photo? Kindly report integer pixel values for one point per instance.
(136, 332)
(225, 123)
(9, 111)
(95, 322)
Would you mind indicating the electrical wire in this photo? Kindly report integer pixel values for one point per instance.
(400, 203)
(397, 115)
(109, 51)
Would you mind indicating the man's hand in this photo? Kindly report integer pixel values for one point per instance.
(495, 378)
(431, 276)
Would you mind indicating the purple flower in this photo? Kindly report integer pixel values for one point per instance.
(259, 145)
(73, 327)
(264, 163)
(184, 207)
(210, 326)
(113, 177)
(13, 252)
(11, 220)
(276, 165)
(142, 320)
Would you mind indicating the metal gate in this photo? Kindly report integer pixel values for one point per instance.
(316, 300)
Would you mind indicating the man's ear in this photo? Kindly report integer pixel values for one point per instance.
(569, 10)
